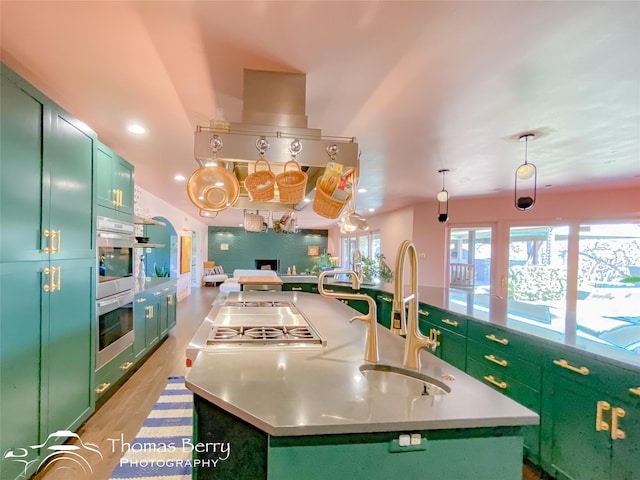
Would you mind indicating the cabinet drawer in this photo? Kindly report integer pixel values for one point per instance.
(489, 356)
(588, 369)
(504, 341)
(442, 319)
(107, 376)
(505, 384)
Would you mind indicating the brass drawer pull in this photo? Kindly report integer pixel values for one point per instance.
(157, 293)
(140, 300)
(387, 299)
(297, 289)
(490, 379)
(564, 364)
(616, 433)
(102, 387)
(328, 290)
(126, 366)
(635, 391)
(423, 312)
(453, 323)
(493, 338)
(170, 299)
(492, 358)
(601, 425)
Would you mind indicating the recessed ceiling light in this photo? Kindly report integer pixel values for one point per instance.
(372, 209)
(137, 129)
(180, 178)
(362, 190)
(307, 200)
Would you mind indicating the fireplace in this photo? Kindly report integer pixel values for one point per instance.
(273, 264)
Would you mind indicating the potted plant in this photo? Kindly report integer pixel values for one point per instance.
(376, 270)
(321, 263)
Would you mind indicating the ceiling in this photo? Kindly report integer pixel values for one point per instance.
(422, 85)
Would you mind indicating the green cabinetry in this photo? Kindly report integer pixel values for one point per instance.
(384, 301)
(115, 184)
(300, 287)
(450, 332)
(47, 269)
(591, 418)
(154, 314)
(108, 375)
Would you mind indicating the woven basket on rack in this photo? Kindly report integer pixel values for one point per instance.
(292, 184)
(327, 206)
(254, 222)
(260, 184)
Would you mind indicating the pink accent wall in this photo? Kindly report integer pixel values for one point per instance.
(419, 223)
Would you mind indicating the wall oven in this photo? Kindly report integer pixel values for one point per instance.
(115, 256)
(115, 326)
(114, 290)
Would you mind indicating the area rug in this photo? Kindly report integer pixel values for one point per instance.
(162, 448)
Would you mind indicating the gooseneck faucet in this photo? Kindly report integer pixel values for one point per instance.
(370, 319)
(403, 323)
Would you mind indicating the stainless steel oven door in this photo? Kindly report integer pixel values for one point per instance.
(114, 318)
(115, 257)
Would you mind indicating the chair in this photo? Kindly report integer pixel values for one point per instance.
(462, 275)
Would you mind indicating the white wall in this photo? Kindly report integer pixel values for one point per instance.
(148, 205)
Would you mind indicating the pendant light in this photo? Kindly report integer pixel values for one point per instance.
(524, 173)
(443, 200)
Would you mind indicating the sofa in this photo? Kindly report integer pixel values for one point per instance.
(232, 285)
(212, 274)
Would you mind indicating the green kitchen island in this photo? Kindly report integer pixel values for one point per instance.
(311, 411)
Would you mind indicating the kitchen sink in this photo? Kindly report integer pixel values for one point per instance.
(401, 381)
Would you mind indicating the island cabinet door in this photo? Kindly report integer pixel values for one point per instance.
(625, 460)
(384, 302)
(377, 456)
(575, 430)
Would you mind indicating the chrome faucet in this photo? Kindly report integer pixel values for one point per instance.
(370, 319)
(402, 324)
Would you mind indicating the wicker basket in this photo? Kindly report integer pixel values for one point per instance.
(254, 222)
(292, 184)
(260, 184)
(327, 206)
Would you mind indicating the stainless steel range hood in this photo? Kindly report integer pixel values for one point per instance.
(273, 107)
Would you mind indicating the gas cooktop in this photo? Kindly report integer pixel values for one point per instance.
(261, 323)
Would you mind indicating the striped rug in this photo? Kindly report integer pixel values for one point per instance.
(162, 447)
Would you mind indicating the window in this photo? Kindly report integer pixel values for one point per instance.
(608, 284)
(470, 259)
(537, 275)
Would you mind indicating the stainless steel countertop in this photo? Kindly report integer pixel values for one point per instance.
(297, 391)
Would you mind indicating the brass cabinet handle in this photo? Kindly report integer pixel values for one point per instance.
(492, 358)
(423, 312)
(56, 235)
(140, 300)
(47, 287)
(126, 366)
(328, 290)
(564, 364)
(635, 391)
(49, 234)
(453, 323)
(57, 284)
(102, 387)
(491, 379)
(115, 198)
(493, 338)
(157, 293)
(170, 299)
(119, 198)
(297, 289)
(434, 333)
(616, 433)
(387, 299)
(601, 425)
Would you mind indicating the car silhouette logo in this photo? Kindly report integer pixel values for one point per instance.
(54, 450)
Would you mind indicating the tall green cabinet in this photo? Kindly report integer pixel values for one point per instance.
(47, 269)
(114, 185)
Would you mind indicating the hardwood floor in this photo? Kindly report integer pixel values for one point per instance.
(124, 413)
